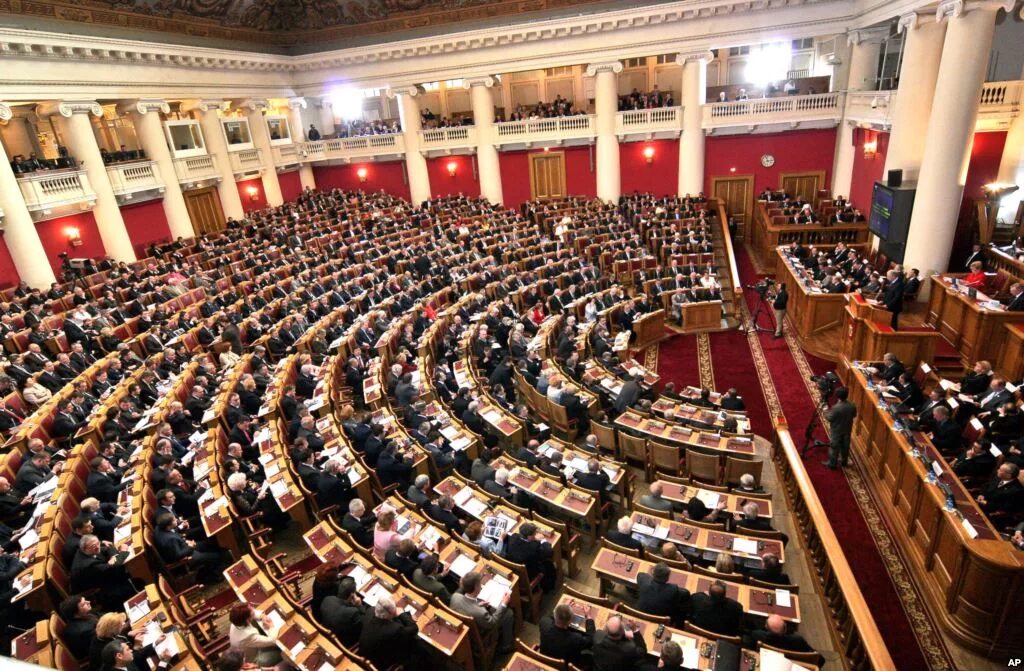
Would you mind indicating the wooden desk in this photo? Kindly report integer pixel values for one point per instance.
(649, 328)
(975, 330)
(612, 566)
(766, 235)
(669, 432)
(809, 310)
(704, 543)
(867, 336)
(697, 417)
(733, 502)
(702, 316)
(972, 584)
(520, 662)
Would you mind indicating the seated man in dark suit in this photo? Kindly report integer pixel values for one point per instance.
(976, 461)
(715, 611)
(402, 558)
(207, 559)
(774, 634)
(358, 522)
(946, 434)
(101, 568)
(617, 647)
(657, 596)
(558, 639)
(441, 512)
(622, 534)
(1003, 493)
(594, 478)
(343, 613)
(770, 571)
(527, 547)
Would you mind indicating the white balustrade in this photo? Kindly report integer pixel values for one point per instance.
(555, 128)
(47, 190)
(196, 168)
(649, 121)
(347, 148)
(779, 109)
(246, 160)
(135, 177)
(448, 138)
(286, 154)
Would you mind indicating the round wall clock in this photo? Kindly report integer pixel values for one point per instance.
(767, 160)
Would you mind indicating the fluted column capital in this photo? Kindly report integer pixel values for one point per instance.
(486, 80)
(68, 108)
(298, 102)
(144, 106)
(5, 112)
(410, 91)
(954, 9)
(703, 55)
(255, 104)
(866, 35)
(615, 67)
(206, 105)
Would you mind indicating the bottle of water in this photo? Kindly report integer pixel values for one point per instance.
(950, 503)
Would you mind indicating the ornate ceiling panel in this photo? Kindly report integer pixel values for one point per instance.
(281, 23)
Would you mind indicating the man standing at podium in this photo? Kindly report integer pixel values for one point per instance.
(893, 299)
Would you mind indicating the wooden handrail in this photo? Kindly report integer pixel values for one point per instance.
(853, 628)
(730, 255)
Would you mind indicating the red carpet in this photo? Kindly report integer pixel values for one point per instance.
(678, 361)
(833, 487)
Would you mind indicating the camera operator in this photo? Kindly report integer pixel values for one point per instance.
(840, 422)
(779, 307)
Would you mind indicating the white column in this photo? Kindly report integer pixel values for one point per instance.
(326, 117)
(691, 142)
(864, 57)
(922, 53)
(298, 133)
(255, 114)
(145, 116)
(80, 139)
(606, 106)
(842, 167)
(19, 230)
(950, 133)
(217, 147)
(486, 151)
(415, 163)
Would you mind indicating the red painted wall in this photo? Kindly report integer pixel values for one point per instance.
(794, 151)
(53, 234)
(443, 184)
(248, 204)
(387, 175)
(660, 177)
(146, 223)
(580, 180)
(866, 171)
(8, 274)
(291, 185)
(982, 169)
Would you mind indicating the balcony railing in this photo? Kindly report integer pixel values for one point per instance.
(285, 154)
(871, 107)
(46, 191)
(347, 148)
(137, 177)
(456, 137)
(246, 160)
(196, 168)
(767, 110)
(557, 128)
(649, 121)
(1000, 103)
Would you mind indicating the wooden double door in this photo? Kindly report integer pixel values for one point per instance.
(547, 174)
(737, 193)
(804, 185)
(204, 210)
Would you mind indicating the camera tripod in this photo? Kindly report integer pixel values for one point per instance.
(761, 308)
(810, 441)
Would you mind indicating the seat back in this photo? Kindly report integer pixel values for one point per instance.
(638, 553)
(694, 629)
(607, 438)
(652, 512)
(543, 660)
(736, 468)
(665, 458)
(633, 448)
(702, 467)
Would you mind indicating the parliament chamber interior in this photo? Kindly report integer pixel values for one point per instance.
(550, 336)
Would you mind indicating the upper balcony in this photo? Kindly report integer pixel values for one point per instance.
(348, 149)
(246, 162)
(454, 140)
(1000, 104)
(286, 156)
(810, 111)
(568, 130)
(649, 124)
(54, 193)
(136, 181)
(195, 171)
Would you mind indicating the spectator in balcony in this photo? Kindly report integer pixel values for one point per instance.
(742, 95)
(312, 134)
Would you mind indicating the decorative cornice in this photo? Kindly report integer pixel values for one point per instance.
(68, 108)
(877, 34)
(256, 104)
(206, 105)
(487, 81)
(297, 102)
(954, 9)
(145, 105)
(615, 67)
(5, 112)
(694, 56)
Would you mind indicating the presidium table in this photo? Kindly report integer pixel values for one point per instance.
(810, 310)
(972, 578)
(973, 324)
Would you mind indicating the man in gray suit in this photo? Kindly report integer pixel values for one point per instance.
(418, 490)
(840, 422)
(655, 500)
(628, 395)
(498, 622)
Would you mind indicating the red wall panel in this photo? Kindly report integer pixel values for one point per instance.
(291, 185)
(660, 176)
(146, 223)
(515, 177)
(794, 151)
(866, 171)
(580, 178)
(386, 175)
(256, 201)
(8, 274)
(54, 236)
(443, 184)
(982, 169)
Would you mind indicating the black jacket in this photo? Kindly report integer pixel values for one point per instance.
(664, 599)
(613, 655)
(344, 619)
(388, 642)
(720, 616)
(566, 644)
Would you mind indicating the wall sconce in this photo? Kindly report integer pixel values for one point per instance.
(361, 174)
(649, 154)
(871, 148)
(253, 193)
(74, 236)
(453, 167)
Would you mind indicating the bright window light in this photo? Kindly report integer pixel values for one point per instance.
(769, 63)
(347, 103)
